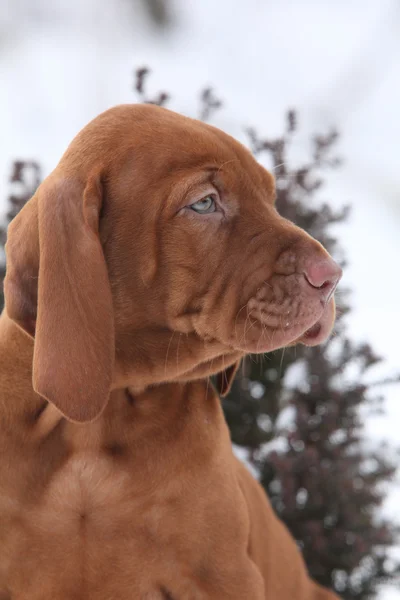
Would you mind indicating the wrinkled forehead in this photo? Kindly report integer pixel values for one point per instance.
(179, 146)
(153, 143)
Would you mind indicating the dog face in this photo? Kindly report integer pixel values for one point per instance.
(160, 256)
(197, 225)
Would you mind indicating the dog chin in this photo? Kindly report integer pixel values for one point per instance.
(316, 333)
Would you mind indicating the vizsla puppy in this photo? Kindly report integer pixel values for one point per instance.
(151, 258)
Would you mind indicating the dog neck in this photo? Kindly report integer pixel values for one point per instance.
(155, 422)
(147, 358)
(185, 362)
(17, 397)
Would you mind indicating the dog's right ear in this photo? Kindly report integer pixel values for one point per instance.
(57, 290)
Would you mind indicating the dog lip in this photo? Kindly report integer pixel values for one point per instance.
(313, 332)
(315, 335)
(320, 331)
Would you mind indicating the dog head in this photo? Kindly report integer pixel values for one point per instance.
(154, 252)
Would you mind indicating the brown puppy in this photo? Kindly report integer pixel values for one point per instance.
(151, 258)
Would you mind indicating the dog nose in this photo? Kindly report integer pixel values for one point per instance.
(324, 275)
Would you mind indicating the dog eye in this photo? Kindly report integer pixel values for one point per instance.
(204, 206)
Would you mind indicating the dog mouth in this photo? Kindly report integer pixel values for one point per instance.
(321, 330)
(270, 335)
(313, 333)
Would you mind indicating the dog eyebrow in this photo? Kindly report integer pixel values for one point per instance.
(227, 162)
(206, 175)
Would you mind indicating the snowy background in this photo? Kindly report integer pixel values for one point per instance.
(338, 63)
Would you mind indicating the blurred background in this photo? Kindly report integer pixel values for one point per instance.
(313, 87)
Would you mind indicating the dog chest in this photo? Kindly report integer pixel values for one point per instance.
(91, 534)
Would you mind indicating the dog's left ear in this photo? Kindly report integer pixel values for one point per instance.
(225, 378)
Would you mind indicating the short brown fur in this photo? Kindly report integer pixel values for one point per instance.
(117, 477)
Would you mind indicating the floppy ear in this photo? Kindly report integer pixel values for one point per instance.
(225, 378)
(57, 290)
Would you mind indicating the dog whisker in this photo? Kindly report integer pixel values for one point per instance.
(208, 380)
(237, 316)
(277, 166)
(281, 363)
(227, 162)
(166, 356)
(177, 352)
